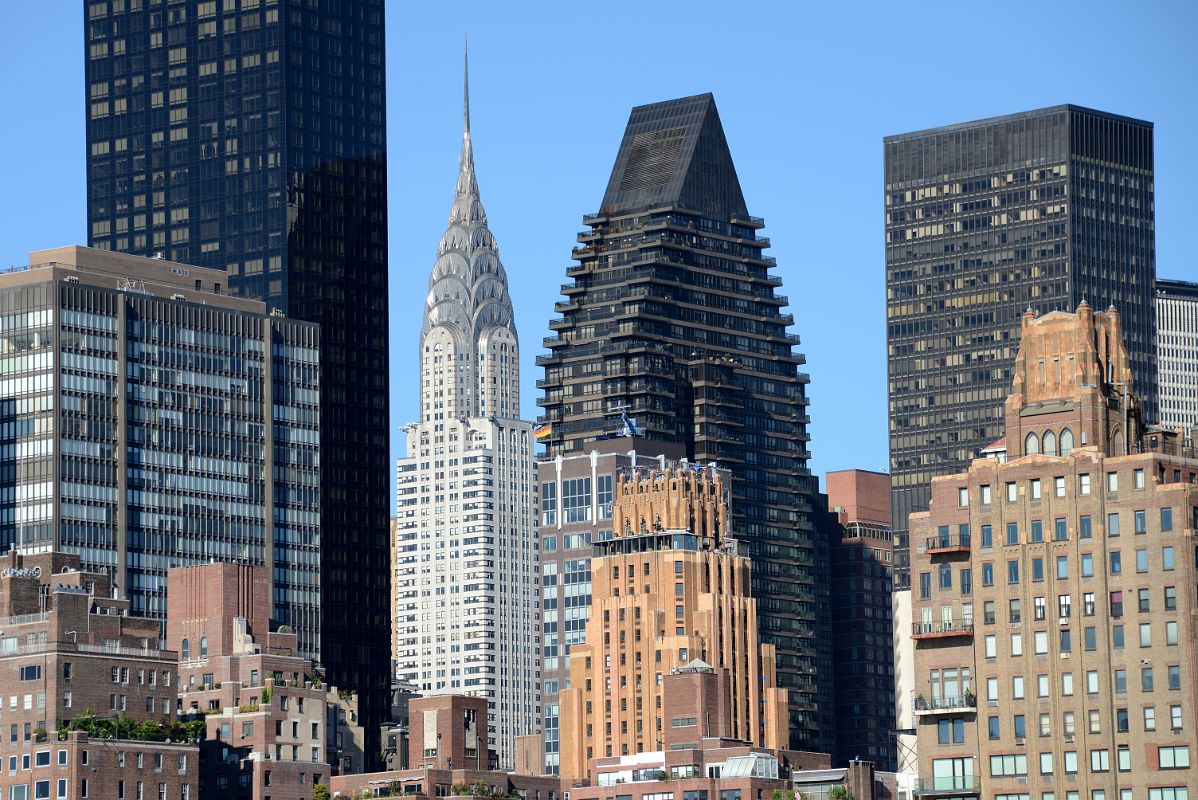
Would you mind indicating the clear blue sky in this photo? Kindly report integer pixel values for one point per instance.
(806, 92)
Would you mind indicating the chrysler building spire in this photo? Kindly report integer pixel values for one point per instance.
(468, 312)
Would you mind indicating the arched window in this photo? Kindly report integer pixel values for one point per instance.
(1031, 445)
(1117, 443)
(186, 649)
(1050, 443)
(1066, 442)
(203, 647)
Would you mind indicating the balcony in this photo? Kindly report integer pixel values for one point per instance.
(947, 543)
(941, 630)
(945, 705)
(956, 784)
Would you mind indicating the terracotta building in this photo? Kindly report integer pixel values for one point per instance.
(1053, 589)
(670, 590)
(266, 712)
(70, 653)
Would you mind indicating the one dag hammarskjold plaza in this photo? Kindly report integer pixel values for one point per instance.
(153, 421)
(1054, 589)
(985, 219)
(251, 137)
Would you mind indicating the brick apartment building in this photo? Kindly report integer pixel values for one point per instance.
(1054, 586)
(266, 710)
(70, 652)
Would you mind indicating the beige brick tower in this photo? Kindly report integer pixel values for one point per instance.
(670, 592)
(1053, 589)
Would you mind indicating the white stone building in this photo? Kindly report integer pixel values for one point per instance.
(466, 583)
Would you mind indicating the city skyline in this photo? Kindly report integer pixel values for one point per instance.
(535, 130)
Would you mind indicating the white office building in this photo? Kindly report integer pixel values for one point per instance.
(467, 573)
(1177, 353)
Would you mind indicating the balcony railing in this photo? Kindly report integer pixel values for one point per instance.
(929, 630)
(954, 783)
(939, 705)
(948, 543)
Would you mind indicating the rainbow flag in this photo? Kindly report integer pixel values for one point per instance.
(542, 431)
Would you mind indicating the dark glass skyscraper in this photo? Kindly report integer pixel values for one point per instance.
(984, 220)
(249, 136)
(672, 313)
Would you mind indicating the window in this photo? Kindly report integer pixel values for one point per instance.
(203, 647)
(549, 503)
(1138, 477)
(1100, 760)
(946, 576)
(985, 493)
(1038, 609)
(1112, 524)
(1062, 567)
(1045, 723)
(1090, 638)
(1167, 558)
(1124, 758)
(1092, 681)
(1087, 565)
(963, 497)
(1037, 530)
(1014, 610)
(1064, 606)
(1037, 569)
(1116, 562)
(1040, 642)
(1067, 723)
(1175, 677)
(1144, 602)
(1060, 529)
(1012, 572)
(993, 727)
(1088, 604)
(1020, 726)
(1058, 486)
(576, 499)
(1140, 521)
(1121, 722)
(1175, 717)
(1149, 718)
(987, 536)
(966, 581)
(988, 574)
(1071, 761)
(992, 688)
(31, 673)
(1016, 644)
(1112, 481)
(1120, 680)
(1116, 604)
(1175, 757)
(1012, 492)
(1066, 640)
(1008, 765)
(1017, 688)
(605, 496)
(1117, 637)
(1034, 486)
(988, 612)
(925, 585)
(1084, 529)
(1083, 483)
(1046, 763)
(1012, 533)
(1166, 519)
(991, 644)
(1170, 598)
(1067, 684)
(1146, 679)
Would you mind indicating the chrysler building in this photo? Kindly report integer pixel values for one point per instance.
(466, 565)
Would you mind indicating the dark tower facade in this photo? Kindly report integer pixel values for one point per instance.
(984, 220)
(250, 137)
(672, 313)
